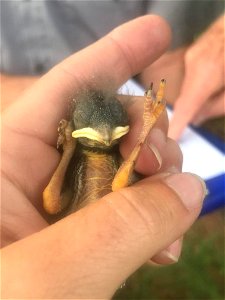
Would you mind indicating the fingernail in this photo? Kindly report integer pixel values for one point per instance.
(156, 153)
(164, 258)
(190, 188)
(174, 250)
(170, 255)
(156, 140)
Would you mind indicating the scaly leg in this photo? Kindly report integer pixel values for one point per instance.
(152, 110)
(53, 200)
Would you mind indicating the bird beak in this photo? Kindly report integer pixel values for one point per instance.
(119, 131)
(105, 136)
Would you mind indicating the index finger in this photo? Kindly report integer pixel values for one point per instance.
(121, 54)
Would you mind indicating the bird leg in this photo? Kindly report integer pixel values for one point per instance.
(153, 107)
(53, 201)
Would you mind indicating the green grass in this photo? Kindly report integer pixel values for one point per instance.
(199, 274)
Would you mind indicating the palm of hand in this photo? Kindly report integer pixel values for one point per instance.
(29, 125)
(29, 158)
(27, 162)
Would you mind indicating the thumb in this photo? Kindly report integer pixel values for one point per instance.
(90, 253)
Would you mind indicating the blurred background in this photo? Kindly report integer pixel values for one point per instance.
(199, 274)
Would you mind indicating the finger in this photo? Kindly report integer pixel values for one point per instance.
(203, 77)
(215, 107)
(170, 254)
(113, 59)
(19, 218)
(109, 240)
(172, 62)
(187, 105)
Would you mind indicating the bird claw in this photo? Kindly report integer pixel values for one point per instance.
(65, 133)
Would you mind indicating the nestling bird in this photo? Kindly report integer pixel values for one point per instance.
(91, 165)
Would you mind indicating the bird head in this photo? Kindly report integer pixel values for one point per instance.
(99, 120)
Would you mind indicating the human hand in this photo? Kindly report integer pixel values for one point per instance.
(12, 87)
(171, 65)
(91, 252)
(202, 91)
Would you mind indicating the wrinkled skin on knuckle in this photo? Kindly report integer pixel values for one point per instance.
(145, 213)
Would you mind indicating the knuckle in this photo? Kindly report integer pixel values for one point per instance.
(142, 213)
(126, 55)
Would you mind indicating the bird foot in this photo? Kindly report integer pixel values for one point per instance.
(153, 108)
(65, 138)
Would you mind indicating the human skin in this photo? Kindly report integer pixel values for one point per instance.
(91, 252)
(202, 91)
(195, 76)
(171, 65)
(13, 86)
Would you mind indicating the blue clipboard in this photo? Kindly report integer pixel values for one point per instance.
(216, 186)
(216, 191)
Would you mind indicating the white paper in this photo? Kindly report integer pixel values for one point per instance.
(199, 156)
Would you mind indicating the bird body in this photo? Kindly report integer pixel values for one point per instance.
(90, 175)
(91, 165)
